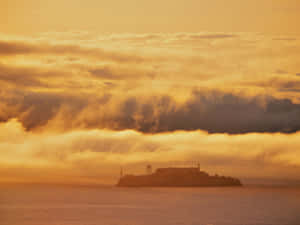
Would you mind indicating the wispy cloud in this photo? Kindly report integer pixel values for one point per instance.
(97, 155)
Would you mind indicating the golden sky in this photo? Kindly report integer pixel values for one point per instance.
(89, 86)
(144, 16)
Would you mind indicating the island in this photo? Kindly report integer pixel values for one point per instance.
(177, 177)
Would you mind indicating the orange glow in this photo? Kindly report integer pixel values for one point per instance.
(87, 87)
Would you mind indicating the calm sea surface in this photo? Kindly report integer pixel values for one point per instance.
(61, 205)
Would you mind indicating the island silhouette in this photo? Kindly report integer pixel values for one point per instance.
(176, 177)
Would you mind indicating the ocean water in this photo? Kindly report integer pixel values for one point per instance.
(66, 205)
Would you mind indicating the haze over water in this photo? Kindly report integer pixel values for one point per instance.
(67, 205)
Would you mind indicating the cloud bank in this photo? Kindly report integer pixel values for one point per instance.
(174, 82)
(86, 103)
(214, 112)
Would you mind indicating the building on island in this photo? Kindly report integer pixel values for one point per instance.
(176, 177)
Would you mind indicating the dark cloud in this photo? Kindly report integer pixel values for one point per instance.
(277, 82)
(284, 39)
(18, 47)
(104, 73)
(25, 76)
(212, 36)
(279, 71)
(289, 90)
(291, 84)
(213, 112)
(199, 36)
(8, 48)
(232, 114)
(36, 109)
(109, 72)
(136, 37)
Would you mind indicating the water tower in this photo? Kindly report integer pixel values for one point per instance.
(148, 169)
(121, 172)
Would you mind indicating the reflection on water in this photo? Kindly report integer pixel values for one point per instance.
(61, 205)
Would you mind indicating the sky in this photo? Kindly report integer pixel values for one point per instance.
(90, 86)
(143, 16)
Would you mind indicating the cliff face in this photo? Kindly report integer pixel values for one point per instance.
(177, 177)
